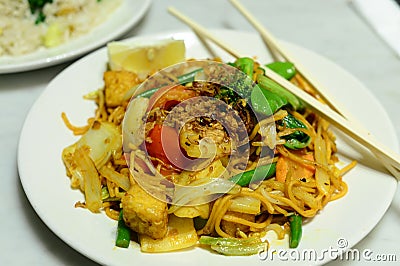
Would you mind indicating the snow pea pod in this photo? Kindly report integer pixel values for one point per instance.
(266, 102)
(246, 65)
(258, 174)
(285, 69)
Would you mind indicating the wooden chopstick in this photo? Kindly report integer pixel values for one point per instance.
(272, 42)
(323, 110)
(277, 51)
(198, 29)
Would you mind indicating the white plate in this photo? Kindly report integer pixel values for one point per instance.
(48, 189)
(126, 16)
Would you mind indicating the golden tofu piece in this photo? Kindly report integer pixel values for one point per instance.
(145, 214)
(117, 83)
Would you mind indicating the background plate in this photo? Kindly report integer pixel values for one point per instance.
(125, 16)
(42, 173)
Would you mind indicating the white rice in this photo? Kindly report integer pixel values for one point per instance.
(20, 35)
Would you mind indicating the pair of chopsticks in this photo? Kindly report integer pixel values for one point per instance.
(331, 111)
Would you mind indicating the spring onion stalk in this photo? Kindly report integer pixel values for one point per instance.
(189, 77)
(182, 79)
(233, 246)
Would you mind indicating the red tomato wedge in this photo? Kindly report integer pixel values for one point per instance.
(164, 145)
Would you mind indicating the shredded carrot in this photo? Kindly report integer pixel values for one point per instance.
(285, 167)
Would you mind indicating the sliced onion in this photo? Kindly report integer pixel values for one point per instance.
(194, 195)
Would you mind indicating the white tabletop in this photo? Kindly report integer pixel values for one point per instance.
(330, 28)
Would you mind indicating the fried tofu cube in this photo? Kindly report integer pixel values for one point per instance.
(117, 83)
(145, 214)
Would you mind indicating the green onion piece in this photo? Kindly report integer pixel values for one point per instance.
(147, 94)
(223, 241)
(189, 77)
(234, 246)
(185, 78)
(240, 250)
(123, 233)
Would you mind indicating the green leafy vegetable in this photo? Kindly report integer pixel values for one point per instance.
(298, 139)
(37, 6)
(148, 93)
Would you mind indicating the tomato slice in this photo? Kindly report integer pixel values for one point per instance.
(169, 96)
(164, 145)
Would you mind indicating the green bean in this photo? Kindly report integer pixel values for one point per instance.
(285, 69)
(258, 174)
(123, 233)
(295, 221)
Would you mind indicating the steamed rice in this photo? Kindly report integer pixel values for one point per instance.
(68, 18)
